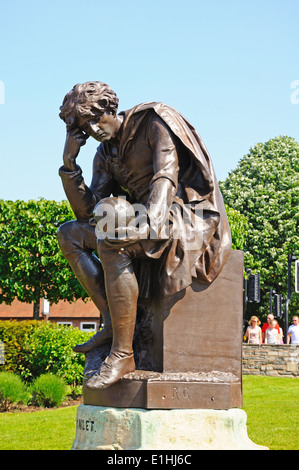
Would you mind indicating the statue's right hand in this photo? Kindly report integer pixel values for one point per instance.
(75, 139)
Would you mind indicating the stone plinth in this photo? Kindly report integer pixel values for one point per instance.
(100, 428)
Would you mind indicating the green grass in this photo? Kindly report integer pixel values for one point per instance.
(49, 429)
(272, 407)
(271, 404)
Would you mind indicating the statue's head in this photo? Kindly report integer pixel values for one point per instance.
(89, 101)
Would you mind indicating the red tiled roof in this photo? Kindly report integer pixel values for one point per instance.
(63, 309)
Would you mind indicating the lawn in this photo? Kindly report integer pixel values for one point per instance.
(272, 407)
(271, 404)
(49, 429)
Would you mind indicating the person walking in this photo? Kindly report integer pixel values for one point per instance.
(293, 331)
(254, 333)
(267, 325)
(272, 336)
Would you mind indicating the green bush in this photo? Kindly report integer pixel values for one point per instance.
(48, 391)
(33, 348)
(50, 350)
(14, 335)
(12, 390)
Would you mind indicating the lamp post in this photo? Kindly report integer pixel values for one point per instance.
(272, 293)
(46, 308)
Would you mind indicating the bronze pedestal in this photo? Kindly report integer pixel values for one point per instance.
(191, 356)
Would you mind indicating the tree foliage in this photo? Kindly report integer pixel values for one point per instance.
(265, 189)
(238, 226)
(31, 263)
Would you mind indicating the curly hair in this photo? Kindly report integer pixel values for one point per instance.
(89, 100)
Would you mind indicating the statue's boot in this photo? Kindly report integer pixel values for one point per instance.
(102, 337)
(122, 294)
(121, 358)
(112, 370)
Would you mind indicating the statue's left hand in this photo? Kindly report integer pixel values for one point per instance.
(128, 236)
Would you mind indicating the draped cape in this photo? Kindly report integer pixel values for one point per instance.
(197, 187)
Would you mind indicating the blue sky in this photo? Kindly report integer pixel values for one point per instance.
(228, 66)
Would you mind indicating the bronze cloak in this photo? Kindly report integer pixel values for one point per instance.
(197, 185)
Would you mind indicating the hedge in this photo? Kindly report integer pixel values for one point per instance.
(32, 348)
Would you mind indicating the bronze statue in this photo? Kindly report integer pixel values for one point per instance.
(151, 155)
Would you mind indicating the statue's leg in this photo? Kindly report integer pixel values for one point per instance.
(77, 241)
(122, 294)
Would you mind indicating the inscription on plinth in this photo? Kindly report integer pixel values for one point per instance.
(85, 425)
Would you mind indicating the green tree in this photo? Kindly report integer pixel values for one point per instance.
(31, 263)
(238, 226)
(265, 189)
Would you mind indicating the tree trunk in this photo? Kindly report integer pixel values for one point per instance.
(36, 310)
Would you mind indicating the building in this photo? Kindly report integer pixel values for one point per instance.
(79, 314)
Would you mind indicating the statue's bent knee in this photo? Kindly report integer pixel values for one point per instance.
(66, 234)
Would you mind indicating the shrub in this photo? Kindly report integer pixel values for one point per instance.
(14, 335)
(12, 390)
(48, 391)
(33, 348)
(50, 350)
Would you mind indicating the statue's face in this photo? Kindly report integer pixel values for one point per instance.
(102, 128)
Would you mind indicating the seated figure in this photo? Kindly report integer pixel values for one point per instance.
(151, 157)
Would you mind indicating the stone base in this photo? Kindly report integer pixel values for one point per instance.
(100, 428)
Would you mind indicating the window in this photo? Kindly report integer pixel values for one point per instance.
(85, 326)
(68, 323)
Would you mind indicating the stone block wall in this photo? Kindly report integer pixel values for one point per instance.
(281, 360)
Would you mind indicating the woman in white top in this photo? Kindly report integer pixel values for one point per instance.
(271, 335)
(254, 332)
